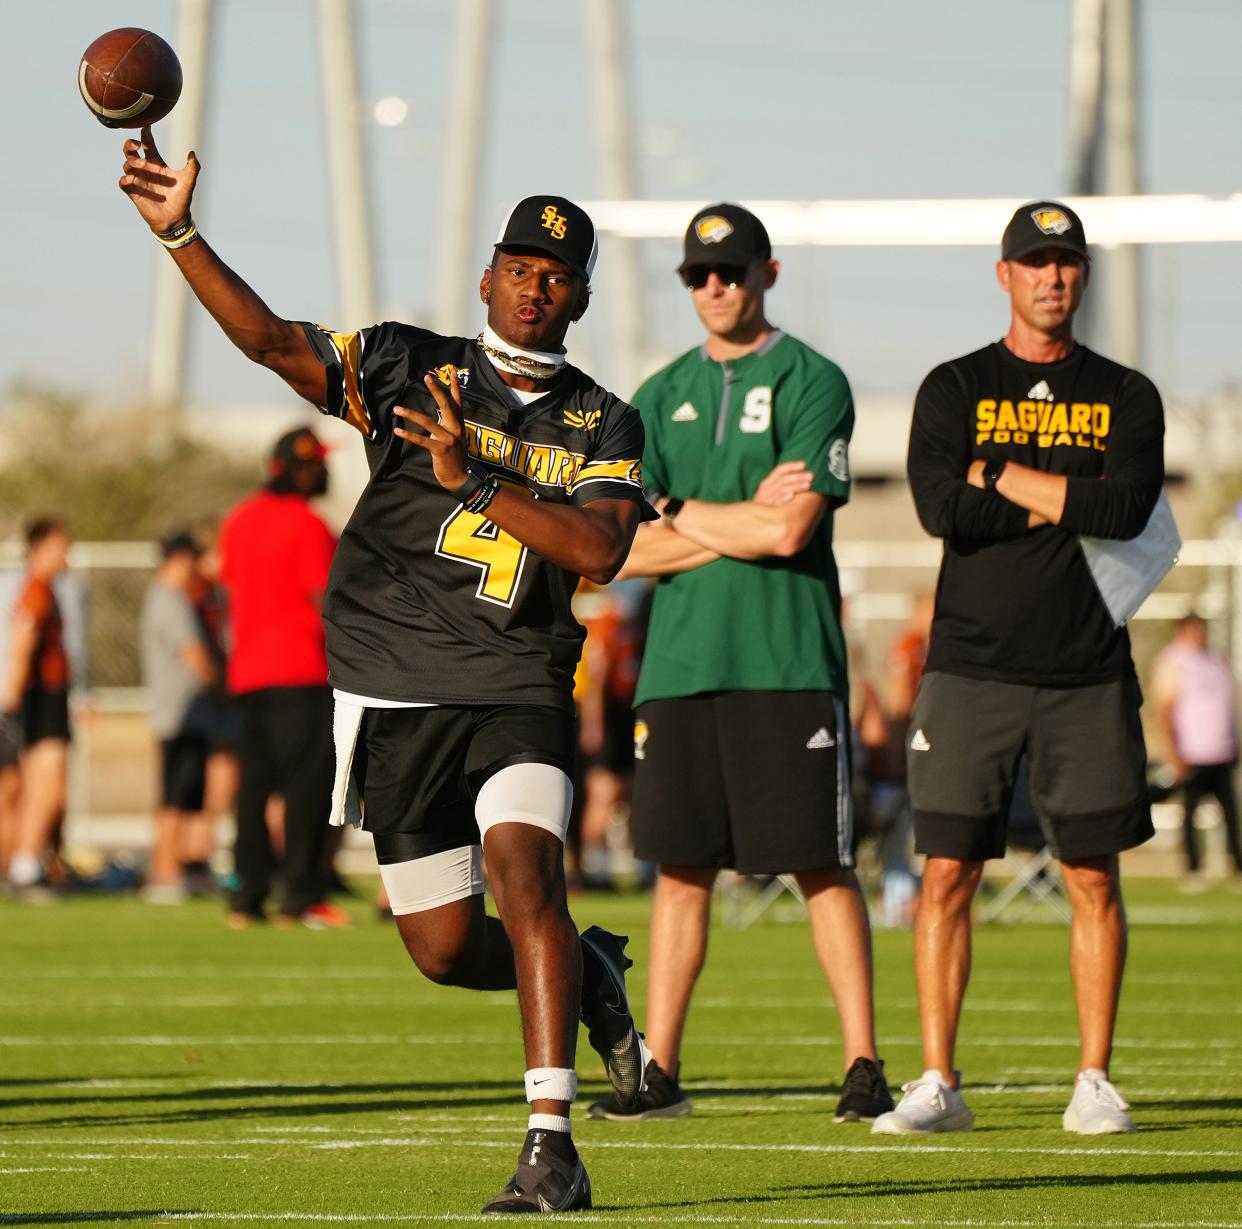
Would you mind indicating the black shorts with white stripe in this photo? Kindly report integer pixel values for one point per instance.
(757, 781)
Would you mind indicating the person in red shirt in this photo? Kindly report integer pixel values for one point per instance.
(35, 700)
(275, 555)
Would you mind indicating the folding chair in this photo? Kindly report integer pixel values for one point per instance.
(1036, 875)
(740, 909)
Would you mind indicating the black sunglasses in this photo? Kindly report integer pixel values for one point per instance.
(695, 277)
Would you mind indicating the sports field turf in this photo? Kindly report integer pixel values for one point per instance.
(158, 1068)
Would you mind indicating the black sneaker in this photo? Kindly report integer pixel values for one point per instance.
(661, 1098)
(864, 1095)
(550, 1177)
(606, 1012)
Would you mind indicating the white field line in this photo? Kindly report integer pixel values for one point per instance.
(979, 1006)
(500, 999)
(42, 1169)
(319, 973)
(506, 1000)
(195, 972)
(964, 1149)
(1149, 1066)
(665, 1218)
(971, 1090)
(1184, 1068)
(459, 1039)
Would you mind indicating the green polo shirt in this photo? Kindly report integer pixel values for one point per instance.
(714, 430)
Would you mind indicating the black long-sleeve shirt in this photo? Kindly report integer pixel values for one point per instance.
(1018, 604)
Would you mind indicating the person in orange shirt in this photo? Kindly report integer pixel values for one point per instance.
(35, 704)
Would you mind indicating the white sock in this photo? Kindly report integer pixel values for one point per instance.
(548, 1122)
(25, 869)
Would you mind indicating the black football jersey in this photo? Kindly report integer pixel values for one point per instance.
(427, 601)
(1015, 604)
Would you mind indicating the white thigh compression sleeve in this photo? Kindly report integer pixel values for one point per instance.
(437, 879)
(535, 794)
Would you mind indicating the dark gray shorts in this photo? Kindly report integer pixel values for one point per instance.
(758, 781)
(1084, 749)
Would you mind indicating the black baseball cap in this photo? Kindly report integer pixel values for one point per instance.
(725, 234)
(176, 543)
(555, 225)
(1043, 224)
(297, 448)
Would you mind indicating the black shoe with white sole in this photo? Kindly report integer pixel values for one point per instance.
(661, 1098)
(864, 1095)
(550, 1177)
(606, 1012)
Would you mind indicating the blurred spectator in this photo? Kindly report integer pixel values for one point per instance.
(906, 659)
(1192, 690)
(604, 695)
(35, 701)
(221, 775)
(275, 554)
(178, 672)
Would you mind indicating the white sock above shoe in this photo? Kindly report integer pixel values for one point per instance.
(25, 870)
(549, 1122)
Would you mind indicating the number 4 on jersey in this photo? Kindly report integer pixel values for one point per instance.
(469, 537)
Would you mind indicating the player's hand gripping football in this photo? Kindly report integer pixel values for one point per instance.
(443, 438)
(161, 194)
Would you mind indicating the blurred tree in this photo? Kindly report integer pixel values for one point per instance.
(94, 469)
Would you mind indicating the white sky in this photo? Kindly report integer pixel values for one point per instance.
(733, 100)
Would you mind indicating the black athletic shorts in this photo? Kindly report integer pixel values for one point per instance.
(1084, 750)
(45, 714)
(758, 781)
(12, 740)
(616, 752)
(184, 760)
(419, 769)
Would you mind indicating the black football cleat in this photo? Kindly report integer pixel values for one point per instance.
(550, 1178)
(864, 1095)
(606, 1013)
(661, 1098)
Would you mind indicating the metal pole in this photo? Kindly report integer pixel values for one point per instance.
(1086, 72)
(1121, 176)
(462, 166)
(166, 369)
(355, 266)
(1086, 80)
(616, 177)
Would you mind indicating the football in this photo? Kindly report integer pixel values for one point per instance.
(129, 78)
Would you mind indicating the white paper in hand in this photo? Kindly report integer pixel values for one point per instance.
(1127, 572)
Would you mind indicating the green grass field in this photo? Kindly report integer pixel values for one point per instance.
(158, 1068)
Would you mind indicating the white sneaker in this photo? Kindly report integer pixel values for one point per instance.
(1096, 1108)
(164, 894)
(930, 1104)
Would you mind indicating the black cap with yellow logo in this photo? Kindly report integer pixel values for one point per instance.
(1043, 224)
(725, 234)
(554, 225)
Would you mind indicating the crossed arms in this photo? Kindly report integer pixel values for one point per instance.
(777, 522)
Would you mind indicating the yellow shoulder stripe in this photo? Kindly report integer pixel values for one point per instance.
(349, 347)
(609, 471)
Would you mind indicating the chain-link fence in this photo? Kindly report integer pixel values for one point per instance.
(114, 755)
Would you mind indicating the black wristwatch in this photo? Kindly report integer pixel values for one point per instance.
(992, 472)
(672, 506)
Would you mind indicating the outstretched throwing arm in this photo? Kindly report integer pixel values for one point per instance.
(163, 195)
